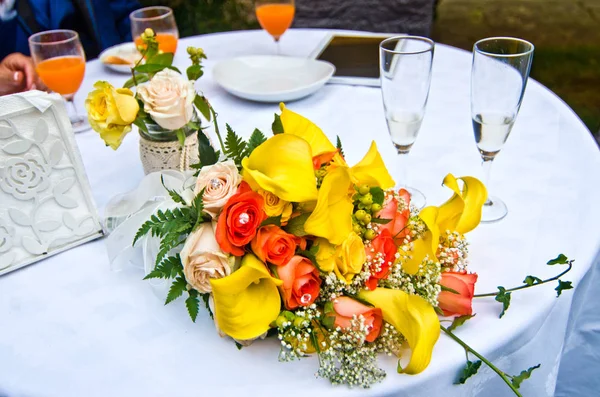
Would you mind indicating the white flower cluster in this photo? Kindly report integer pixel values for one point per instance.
(453, 251)
(423, 283)
(298, 334)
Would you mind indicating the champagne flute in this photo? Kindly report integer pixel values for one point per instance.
(275, 16)
(60, 62)
(498, 79)
(161, 20)
(405, 73)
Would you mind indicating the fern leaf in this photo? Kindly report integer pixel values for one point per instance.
(174, 195)
(193, 304)
(177, 289)
(169, 268)
(234, 146)
(256, 139)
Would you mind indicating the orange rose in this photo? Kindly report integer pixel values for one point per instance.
(382, 252)
(301, 282)
(397, 225)
(345, 308)
(273, 245)
(457, 304)
(240, 218)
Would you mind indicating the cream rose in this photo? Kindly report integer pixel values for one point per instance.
(220, 181)
(169, 99)
(202, 258)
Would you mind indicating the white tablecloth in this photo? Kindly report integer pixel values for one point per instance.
(69, 326)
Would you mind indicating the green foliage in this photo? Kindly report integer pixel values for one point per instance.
(205, 299)
(518, 379)
(164, 59)
(235, 146)
(175, 221)
(469, 370)
(272, 220)
(503, 297)
(378, 195)
(177, 289)
(531, 280)
(169, 241)
(203, 106)
(194, 72)
(206, 153)
(139, 123)
(277, 126)
(149, 68)
(238, 345)
(559, 260)
(295, 225)
(176, 197)
(458, 321)
(256, 139)
(338, 145)
(180, 137)
(563, 285)
(139, 79)
(381, 221)
(169, 268)
(193, 304)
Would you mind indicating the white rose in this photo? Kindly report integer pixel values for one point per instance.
(202, 258)
(220, 181)
(169, 99)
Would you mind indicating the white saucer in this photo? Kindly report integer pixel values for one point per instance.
(269, 78)
(127, 51)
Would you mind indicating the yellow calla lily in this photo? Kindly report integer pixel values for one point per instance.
(332, 216)
(283, 166)
(246, 301)
(372, 170)
(298, 125)
(427, 244)
(413, 317)
(462, 212)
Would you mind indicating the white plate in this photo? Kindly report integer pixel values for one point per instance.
(267, 78)
(125, 50)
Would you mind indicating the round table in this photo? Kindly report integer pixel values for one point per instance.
(72, 327)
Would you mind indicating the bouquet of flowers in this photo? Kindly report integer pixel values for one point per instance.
(165, 102)
(282, 237)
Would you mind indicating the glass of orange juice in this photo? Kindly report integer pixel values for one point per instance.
(161, 20)
(60, 62)
(275, 16)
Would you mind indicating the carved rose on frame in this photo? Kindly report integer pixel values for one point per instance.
(26, 176)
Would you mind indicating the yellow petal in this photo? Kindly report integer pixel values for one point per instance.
(427, 244)
(127, 106)
(283, 166)
(413, 317)
(332, 217)
(246, 301)
(462, 212)
(372, 170)
(300, 126)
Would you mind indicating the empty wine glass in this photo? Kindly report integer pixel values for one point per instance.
(405, 69)
(498, 79)
(275, 16)
(161, 20)
(60, 62)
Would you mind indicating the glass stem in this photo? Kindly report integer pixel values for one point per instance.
(402, 169)
(278, 46)
(486, 164)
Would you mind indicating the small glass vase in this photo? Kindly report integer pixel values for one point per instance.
(160, 149)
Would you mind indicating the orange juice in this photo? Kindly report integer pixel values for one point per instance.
(275, 18)
(62, 74)
(166, 42)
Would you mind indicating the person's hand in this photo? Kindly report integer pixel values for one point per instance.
(17, 74)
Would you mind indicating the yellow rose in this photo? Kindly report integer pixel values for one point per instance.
(351, 257)
(111, 111)
(326, 255)
(274, 206)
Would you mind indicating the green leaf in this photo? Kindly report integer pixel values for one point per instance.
(194, 72)
(338, 145)
(206, 152)
(256, 139)
(238, 345)
(177, 289)
(176, 197)
(164, 59)
(503, 297)
(469, 370)
(438, 311)
(518, 379)
(193, 304)
(149, 68)
(531, 280)
(378, 195)
(205, 298)
(140, 124)
(169, 268)
(563, 285)
(180, 137)
(381, 221)
(203, 106)
(234, 146)
(448, 289)
(169, 242)
(458, 321)
(277, 126)
(174, 68)
(328, 322)
(139, 78)
(295, 225)
(272, 220)
(559, 260)
(193, 126)
(310, 256)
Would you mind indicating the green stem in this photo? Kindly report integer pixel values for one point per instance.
(214, 115)
(485, 360)
(527, 285)
(136, 65)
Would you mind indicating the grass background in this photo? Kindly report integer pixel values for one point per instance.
(566, 34)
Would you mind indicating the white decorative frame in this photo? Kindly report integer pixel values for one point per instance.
(46, 204)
